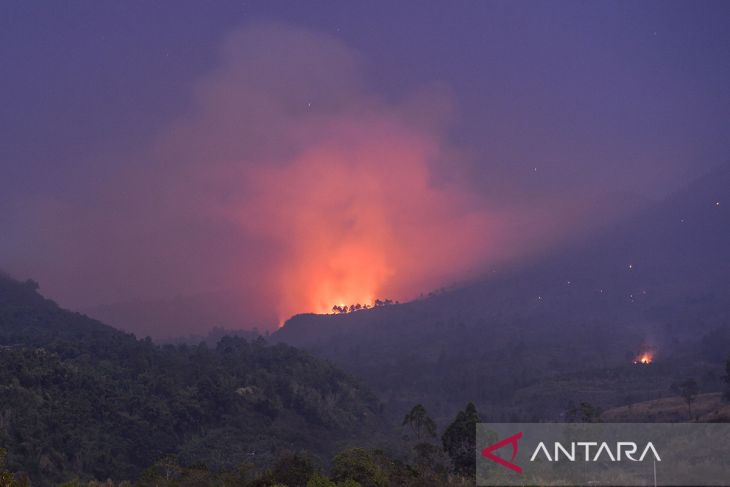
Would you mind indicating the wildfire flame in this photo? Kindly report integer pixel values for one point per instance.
(353, 221)
(644, 358)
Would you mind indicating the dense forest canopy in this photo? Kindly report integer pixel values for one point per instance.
(80, 397)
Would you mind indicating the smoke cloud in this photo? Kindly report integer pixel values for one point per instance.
(287, 186)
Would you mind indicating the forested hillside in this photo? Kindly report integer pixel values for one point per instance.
(79, 399)
(531, 342)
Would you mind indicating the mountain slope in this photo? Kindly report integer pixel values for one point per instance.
(706, 408)
(575, 320)
(81, 399)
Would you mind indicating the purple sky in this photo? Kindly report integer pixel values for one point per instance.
(531, 107)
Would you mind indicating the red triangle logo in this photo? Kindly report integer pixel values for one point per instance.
(512, 440)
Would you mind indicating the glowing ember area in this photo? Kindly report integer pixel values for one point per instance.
(646, 353)
(359, 219)
(644, 358)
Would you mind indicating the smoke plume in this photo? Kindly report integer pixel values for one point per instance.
(288, 186)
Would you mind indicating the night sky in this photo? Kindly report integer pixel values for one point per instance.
(305, 154)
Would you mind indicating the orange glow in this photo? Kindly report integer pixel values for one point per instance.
(318, 193)
(360, 220)
(644, 358)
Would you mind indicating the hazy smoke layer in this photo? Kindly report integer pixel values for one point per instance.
(288, 187)
(332, 192)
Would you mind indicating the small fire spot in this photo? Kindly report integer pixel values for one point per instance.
(644, 359)
(645, 355)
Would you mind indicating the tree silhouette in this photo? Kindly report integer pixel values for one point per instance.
(351, 308)
(459, 440)
(420, 422)
(358, 465)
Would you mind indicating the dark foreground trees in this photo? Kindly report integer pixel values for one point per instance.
(428, 465)
(352, 467)
(459, 440)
